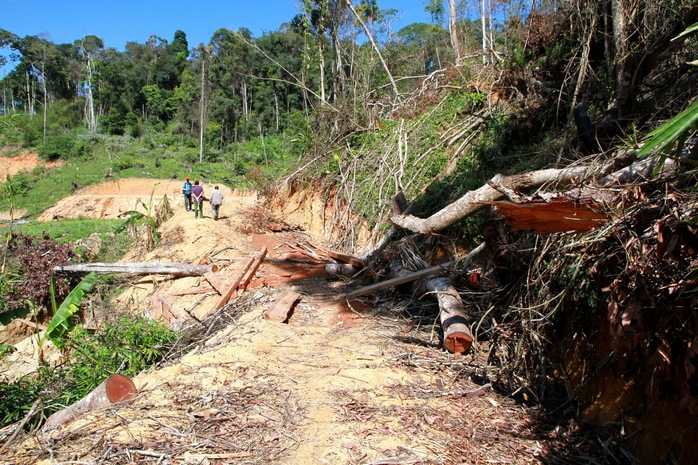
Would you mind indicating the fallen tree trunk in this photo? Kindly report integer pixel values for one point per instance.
(116, 388)
(177, 269)
(405, 276)
(457, 337)
(500, 186)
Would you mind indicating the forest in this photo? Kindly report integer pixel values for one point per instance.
(414, 137)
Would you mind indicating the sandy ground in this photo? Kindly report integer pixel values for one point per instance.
(9, 166)
(335, 384)
(24, 162)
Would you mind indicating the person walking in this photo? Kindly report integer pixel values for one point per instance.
(216, 200)
(198, 193)
(186, 190)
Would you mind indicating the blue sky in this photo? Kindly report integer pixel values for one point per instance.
(129, 20)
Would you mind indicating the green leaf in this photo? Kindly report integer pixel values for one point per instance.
(676, 129)
(60, 323)
(689, 30)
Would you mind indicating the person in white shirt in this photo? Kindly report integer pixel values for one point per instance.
(216, 200)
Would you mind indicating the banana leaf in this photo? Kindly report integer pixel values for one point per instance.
(665, 135)
(60, 323)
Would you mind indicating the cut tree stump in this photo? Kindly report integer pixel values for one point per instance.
(282, 307)
(116, 388)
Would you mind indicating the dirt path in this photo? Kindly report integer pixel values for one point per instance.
(334, 385)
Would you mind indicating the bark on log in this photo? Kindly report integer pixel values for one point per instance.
(177, 269)
(116, 388)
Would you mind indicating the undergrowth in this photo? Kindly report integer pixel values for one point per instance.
(127, 346)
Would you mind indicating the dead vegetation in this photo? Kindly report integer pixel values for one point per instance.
(601, 323)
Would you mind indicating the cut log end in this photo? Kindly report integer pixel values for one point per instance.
(458, 343)
(120, 388)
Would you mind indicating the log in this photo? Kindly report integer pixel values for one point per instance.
(340, 269)
(476, 200)
(177, 269)
(409, 277)
(457, 337)
(116, 388)
(225, 297)
(353, 261)
(397, 281)
(237, 279)
(281, 309)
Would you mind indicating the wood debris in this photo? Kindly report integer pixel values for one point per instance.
(556, 215)
(281, 309)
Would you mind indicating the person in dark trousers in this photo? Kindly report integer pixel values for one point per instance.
(186, 190)
(216, 200)
(198, 193)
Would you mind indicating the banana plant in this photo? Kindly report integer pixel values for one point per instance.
(60, 324)
(150, 216)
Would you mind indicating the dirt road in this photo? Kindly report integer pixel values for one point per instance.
(334, 384)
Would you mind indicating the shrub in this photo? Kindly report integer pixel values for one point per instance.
(114, 123)
(127, 346)
(62, 147)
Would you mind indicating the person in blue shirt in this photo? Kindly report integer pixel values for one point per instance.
(186, 190)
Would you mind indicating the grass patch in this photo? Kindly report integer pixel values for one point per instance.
(64, 231)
